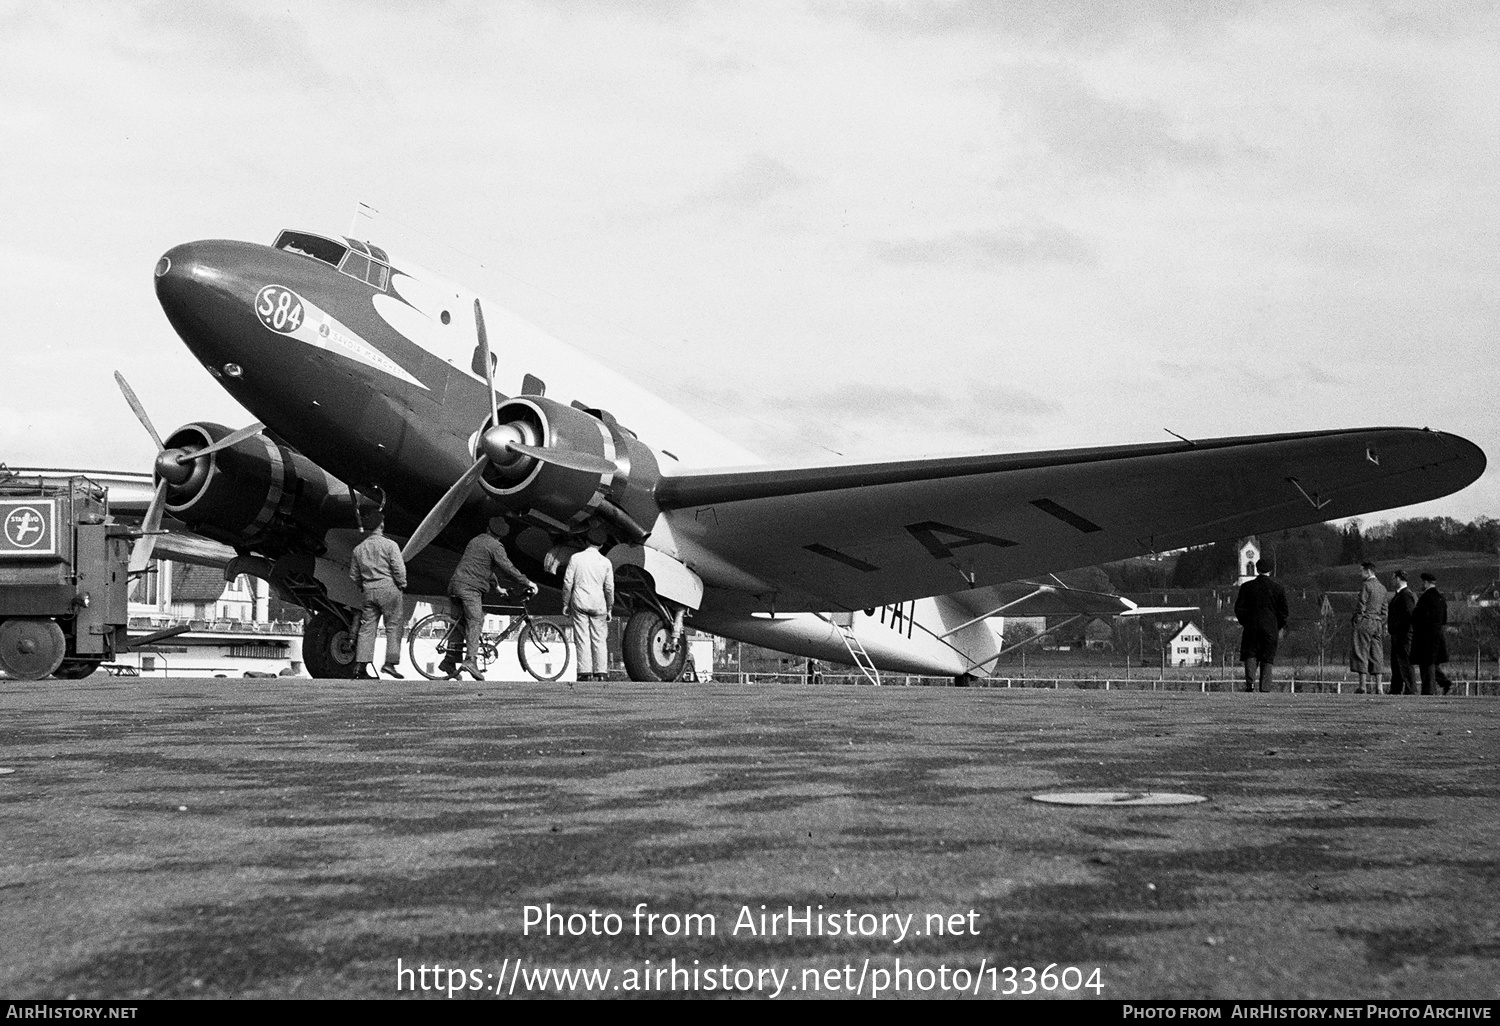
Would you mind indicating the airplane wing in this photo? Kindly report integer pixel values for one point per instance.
(866, 535)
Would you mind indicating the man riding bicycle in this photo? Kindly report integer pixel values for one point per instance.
(484, 565)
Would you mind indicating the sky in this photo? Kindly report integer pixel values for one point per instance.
(830, 230)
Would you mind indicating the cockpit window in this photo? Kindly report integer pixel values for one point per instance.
(314, 246)
(370, 271)
(355, 266)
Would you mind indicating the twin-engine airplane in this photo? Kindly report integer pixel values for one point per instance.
(375, 384)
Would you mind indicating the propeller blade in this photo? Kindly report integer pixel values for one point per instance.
(225, 442)
(140, 411)
(489, 366)
(433, 524)
(140, 556)
(581, 461)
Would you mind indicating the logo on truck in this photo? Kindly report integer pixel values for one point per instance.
(28, 527)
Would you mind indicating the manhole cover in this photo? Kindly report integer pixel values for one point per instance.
(1118, 798)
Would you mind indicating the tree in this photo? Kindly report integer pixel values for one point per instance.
(1017, 633)
(1128, 637)
(1352, 548)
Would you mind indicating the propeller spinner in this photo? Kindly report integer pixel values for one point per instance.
(172, 467)
(503, 445)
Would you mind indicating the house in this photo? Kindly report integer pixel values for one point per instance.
(1189, 647)
(182, 591)
(231, 635)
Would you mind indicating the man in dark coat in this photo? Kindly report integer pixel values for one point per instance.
(1429, 648)
(1262, 611)
(1398, 623)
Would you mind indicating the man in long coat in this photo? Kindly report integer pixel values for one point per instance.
(1429, 648)
(1368, 627)
(1262, 611)
(1398, 623)
(588, 599)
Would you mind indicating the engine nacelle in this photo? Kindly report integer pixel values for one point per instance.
(257, 493)
(563, 499)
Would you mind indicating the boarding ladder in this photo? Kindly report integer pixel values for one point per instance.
(844, 624)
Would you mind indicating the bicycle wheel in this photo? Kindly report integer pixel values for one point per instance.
(544, 649)
(427, 641)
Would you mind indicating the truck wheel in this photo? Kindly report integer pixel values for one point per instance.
(31, 648)
(76, 669)
(645, 648)
(328, 647)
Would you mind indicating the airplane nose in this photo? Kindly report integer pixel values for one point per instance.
(199, 294)
(183, 272)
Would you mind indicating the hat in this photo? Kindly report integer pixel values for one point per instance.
(1429, 577)
(499, 527)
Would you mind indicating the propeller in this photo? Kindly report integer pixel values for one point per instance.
(496, 442)
(173, 467)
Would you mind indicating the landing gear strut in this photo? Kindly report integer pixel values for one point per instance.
(328, 646)
(653, 647)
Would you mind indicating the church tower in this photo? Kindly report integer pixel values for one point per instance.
(1248, 550)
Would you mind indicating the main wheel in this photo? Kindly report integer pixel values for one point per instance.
(31, 647)
(328, 647)
(76, 669)
(428, 642)
(650, 650)
(544, 649)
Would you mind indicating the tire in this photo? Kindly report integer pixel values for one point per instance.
(545, 650)
(645, 649)
(328, 647)
(427, 644)
(76, 669)
(31, 647)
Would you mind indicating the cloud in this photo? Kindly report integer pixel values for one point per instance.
(1049, 19)
(873, 421)
(1238, 376)
(755, 181)
(1099, 135)
(1040, 243)
(234, 40)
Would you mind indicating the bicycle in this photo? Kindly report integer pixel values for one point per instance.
(544, 648)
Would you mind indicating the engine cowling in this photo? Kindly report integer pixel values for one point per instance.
(563, 499)
(258, 493)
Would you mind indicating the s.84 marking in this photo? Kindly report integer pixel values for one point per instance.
(279, 308)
